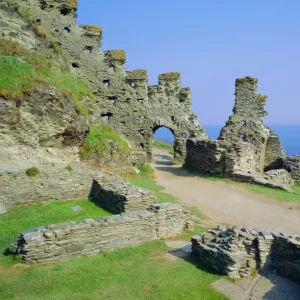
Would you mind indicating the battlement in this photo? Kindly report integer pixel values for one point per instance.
(169, 76)
(116, 56)
(139, 74)
(92, 29)
(66, 6)
(246, 82)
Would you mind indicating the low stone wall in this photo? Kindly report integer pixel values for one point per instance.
(109, 190)
(90, 237)
(237, 251)
(278, 179)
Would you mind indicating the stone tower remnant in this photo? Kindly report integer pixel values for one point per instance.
(246, 146)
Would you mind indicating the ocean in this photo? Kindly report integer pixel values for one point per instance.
(289, 135)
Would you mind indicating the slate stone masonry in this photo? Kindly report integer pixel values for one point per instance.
(107, 189)
(237, 252)
(90, 237)
(246, 146)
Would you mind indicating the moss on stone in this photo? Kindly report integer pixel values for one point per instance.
(32, 172)
(39, 31)
(117, 55)
(246, 80)
(262, 98)
(170, 75)
(137, 74)
(92, 28)
(73, 3)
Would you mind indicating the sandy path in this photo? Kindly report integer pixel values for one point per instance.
(223, 202)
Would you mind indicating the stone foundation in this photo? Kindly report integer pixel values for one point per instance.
(90, 237)
(237, 252)
(109, 190)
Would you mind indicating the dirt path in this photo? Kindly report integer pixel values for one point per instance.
(223, 202)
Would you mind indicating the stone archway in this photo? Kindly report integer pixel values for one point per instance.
(179, 144)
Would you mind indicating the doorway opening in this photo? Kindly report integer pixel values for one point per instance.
(163, 145)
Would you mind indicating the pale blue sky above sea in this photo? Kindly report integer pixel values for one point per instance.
(210, 43)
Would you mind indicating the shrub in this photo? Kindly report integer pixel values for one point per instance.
(32, 172)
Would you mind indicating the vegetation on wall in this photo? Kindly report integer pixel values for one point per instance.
(100, 140)
(21, 70)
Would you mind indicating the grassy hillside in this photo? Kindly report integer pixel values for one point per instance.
(21, 70)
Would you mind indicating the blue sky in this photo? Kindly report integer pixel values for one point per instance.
(210, 43)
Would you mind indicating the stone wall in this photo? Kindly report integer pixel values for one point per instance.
(107, 189)
(91, 237)
(123, 98)
(236, 252)
(245, 145)
(290, 163)
(273, 149)
(205, 155)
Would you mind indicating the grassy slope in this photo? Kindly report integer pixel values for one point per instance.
(98, 139)
(275, 194)
(21, 70)
(134, 273)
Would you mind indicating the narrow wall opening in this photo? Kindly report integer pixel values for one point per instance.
(163, 145)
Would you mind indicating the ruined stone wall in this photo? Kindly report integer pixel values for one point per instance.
(108, 190)
(274, 149)
(91, 237)
(290, 164)
(246, 124)
(245, 145)
(237, 251)
(206, 155)
(124, 99)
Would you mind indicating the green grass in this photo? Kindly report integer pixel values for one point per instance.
(146, 170)
(141, 272)
(157, 143)
(98, 139)
(21, 70)
(134, 273)
(20, 219)
(148, 183)
(275, 194)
